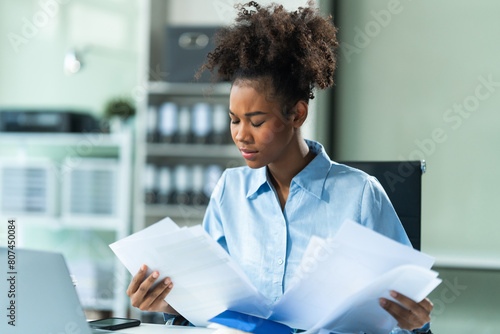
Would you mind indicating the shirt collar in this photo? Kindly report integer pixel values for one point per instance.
(259, 178)
(311, 178)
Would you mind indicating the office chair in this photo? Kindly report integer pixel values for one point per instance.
(402, 181)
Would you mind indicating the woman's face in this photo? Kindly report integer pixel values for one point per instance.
(258, 128)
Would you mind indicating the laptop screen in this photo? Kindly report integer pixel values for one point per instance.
(40, 295)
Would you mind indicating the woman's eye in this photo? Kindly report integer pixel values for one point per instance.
(234, 121)
(257, 125)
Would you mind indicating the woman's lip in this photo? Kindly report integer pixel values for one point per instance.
(248, 154)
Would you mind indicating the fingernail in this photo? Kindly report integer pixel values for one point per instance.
(166, 281)
(155, 274)
(171, 285)
(394, 294)
(143, 267)
(382, 302)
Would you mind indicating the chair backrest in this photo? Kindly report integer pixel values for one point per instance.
(402, 181)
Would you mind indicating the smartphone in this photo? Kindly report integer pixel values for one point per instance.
(114, 323)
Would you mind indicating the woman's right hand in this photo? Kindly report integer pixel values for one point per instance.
(146, 300)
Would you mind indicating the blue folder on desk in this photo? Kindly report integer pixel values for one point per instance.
(249, 323)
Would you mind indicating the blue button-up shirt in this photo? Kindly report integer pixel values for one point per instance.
(245, 217)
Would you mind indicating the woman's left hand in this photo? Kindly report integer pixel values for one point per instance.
(414, 316)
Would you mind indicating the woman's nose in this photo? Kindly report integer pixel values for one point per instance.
(242, 134)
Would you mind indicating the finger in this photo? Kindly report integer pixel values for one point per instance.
(399, 313)
(166, 291)
(406, 318)
(414, 307)
(137, 298)
(160, 299)
(148, 283)
(136, 280)
(156, 295)
(427, 305)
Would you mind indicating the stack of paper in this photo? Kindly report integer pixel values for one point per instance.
(337, 286)
(340, 281)
(206, 279)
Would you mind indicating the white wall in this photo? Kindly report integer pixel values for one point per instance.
(397, 98)
(35, 35)
(402, 78)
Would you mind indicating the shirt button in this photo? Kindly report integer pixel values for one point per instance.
(280, 261)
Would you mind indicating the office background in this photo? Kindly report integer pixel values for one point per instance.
(415, 80)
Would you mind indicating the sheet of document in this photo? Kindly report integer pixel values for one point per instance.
(337, 286)
(362, 313)
(332, 271)
(206, 279)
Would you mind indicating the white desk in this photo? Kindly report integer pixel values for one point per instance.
(163, 329)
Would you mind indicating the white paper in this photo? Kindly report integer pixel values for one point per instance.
(362, 311)
(332, 271)
(336, 289)
(206, 279)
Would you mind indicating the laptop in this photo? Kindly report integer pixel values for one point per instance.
(38, 295)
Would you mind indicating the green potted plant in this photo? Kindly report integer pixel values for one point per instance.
(117, 111)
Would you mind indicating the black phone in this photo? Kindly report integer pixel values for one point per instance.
(114, 323)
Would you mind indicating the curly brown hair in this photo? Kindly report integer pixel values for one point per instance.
(296, 50)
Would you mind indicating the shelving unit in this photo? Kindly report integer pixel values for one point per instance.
(71, 219)
(185, 89)
(199, 151)
(169, 155)
(175, 154)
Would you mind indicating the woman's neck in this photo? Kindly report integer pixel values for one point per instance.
(297, 159)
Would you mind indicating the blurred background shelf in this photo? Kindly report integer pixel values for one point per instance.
(193, 151)
(94, 139)
(179, 211)
(186, 89)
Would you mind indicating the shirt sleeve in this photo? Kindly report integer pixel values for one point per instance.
(212, 222)
(425, 329)
(378, 214)
(398, 330)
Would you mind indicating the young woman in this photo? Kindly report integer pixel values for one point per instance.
(265, 214)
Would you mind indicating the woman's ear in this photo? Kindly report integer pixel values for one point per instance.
(300, 114)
